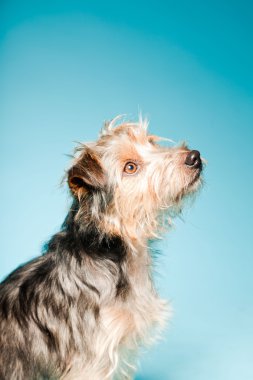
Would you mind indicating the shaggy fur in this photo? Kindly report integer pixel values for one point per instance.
(82, 309)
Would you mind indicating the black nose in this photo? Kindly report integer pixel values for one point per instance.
(193, 159)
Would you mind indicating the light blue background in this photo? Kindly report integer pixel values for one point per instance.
(65, 66)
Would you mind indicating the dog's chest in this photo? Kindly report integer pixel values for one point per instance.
(130, 319)
(125, 322)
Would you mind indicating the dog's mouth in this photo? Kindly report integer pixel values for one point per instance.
(196, 177)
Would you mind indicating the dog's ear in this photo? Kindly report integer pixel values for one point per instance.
(86, 174)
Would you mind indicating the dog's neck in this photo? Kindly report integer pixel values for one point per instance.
(80, 236)
(106, 226)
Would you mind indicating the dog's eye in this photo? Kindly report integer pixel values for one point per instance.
(130, 168)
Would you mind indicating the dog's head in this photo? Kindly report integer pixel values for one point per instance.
(126, 179)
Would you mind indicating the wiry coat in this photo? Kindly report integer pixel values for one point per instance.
(81, 310)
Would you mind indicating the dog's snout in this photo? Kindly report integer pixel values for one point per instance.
(193, 159)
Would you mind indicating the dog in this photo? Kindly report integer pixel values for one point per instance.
(82, 310)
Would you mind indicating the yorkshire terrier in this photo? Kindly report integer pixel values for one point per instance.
(82, 309)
